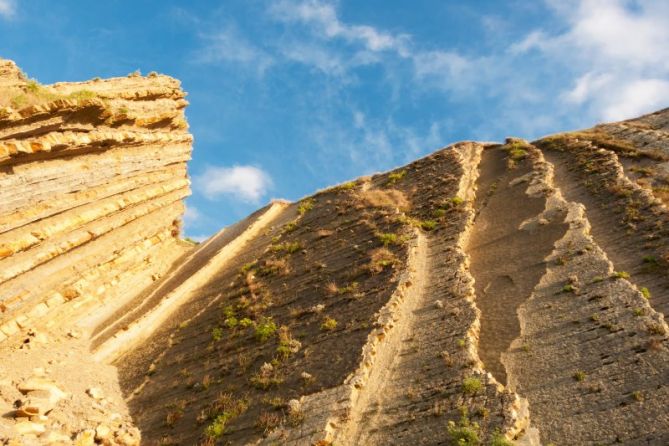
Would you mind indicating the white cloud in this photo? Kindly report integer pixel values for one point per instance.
(446, 70)
(247, 183)
(616, 50)
(7, 8)
(322, 17)
(317, 56)
(191, 215)
(586, 86)
(636, 98)
(359, 144)
(227, 45)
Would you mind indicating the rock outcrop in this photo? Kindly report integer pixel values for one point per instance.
(92, 181)
(92, 178)
(487, 294)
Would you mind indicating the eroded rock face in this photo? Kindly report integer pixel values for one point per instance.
(92, 178)
(488, 293)
(92, 182)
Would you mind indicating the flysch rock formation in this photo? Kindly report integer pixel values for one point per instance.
(92, 178)
(487, 294)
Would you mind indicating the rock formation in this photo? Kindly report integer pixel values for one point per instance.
(92, 178)
(91, 185)
(487, 294)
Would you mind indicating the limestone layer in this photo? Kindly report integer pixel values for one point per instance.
(92, 178)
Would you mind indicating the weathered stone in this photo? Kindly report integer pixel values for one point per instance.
(95, 393)
(29, 427)
(85, 438)
(102, 433)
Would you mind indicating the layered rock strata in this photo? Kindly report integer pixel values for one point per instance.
(92, 179)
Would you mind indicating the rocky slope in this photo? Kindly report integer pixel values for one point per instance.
(487, 294)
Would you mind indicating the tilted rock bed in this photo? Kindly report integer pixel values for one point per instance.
(92, 182)
(444, 302)
(284, 275)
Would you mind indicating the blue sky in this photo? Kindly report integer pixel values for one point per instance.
(289, 96)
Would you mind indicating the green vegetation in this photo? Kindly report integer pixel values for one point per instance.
(621, 275)
(217, 428)
(388, 238)
(229, 311)
(517, 152)
(650, 259)
(347, 186)
(645, 292)
(34, 94)
(568, 288)
(381, 258)
(428, 225)
(217, 334)
(231, 322)
(579, 375)
(450, 203)
(650, 263)
(328, 324)
(223, 410)
(287, 247)
(290, 226)
(482, 412)
(249, 266)
(498, 439)
(464, 432)
(287, 345)
(438, 213)
(350, 288)
(305, 206)
(33, 86)
(396, 176)
(457, 201)
(639, 312)
(265, 382)
(81, 95)
(284, 351)
(462, 343)
(245, 322)
(265, 328)
(471, 385)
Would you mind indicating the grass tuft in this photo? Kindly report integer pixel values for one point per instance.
(328, 324)
(265, 329)
(471, 385)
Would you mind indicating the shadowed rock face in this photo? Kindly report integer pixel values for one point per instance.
(486, 293)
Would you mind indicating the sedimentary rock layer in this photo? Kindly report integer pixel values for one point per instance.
(487, 294)
(92, 179)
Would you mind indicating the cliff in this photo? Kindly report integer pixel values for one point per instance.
(486, 294)
(92, 182)
(92, 178)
